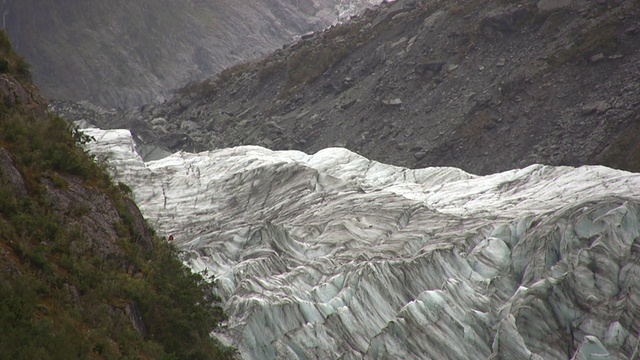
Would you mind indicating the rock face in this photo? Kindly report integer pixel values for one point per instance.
(332, 255)
(475, 85)
(135, 52)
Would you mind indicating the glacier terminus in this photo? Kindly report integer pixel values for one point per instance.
(334, 256)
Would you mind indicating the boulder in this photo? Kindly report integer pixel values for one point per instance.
(392, 102)
(505, 20)
(429, 68)
(598, 107)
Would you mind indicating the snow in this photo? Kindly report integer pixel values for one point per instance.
(332, 255)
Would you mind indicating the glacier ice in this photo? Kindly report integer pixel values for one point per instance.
(332, 255)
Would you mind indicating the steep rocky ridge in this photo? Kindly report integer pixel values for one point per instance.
(131, 52)
(481, 85)
(82, 275)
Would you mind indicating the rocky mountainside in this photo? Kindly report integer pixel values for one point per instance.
(124, 53)
(481, 85)
(335, 256)
(82, 275)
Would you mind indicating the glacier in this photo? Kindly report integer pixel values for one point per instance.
(334, 256)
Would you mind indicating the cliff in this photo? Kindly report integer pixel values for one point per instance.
(125, 53)
(481, 85)
(82, 275)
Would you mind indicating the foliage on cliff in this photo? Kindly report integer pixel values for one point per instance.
(85, 279)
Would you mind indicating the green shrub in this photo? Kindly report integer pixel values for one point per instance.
(602, 38)
(5, 44)
(23, 68)
(61, 297)
(309, 63)
(5, 67)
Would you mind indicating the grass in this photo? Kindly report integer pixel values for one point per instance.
(10, 62)
(601, 38)
(306, 63)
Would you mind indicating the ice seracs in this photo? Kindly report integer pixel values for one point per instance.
(332, 255)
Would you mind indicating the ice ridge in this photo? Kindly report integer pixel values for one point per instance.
(332, 255)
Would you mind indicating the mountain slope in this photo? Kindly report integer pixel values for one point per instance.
(132, 52)
(484, 86)
(332, 255)
(82, 276)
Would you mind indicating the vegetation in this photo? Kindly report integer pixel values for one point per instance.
(10, 62)
(308, 63)
(60, 296)
(305, 61)
(601, 38)
(624, 151)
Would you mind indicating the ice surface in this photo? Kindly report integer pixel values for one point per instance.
(332, 255)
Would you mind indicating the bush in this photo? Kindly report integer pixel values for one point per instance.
(5, 67)
(60, 297)
(601, 38)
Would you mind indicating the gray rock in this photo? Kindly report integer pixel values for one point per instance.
(596, 58)
(505, 20)
(431, 20)
(550, 5)
(393, 102)
(11, 175)
(430, 68)
(135, 316)
(452, 67)
(307, 35)
(91, 211)
(159, 121)
(188, 125)
(597, 107)
(348, 104)
(12, 92)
